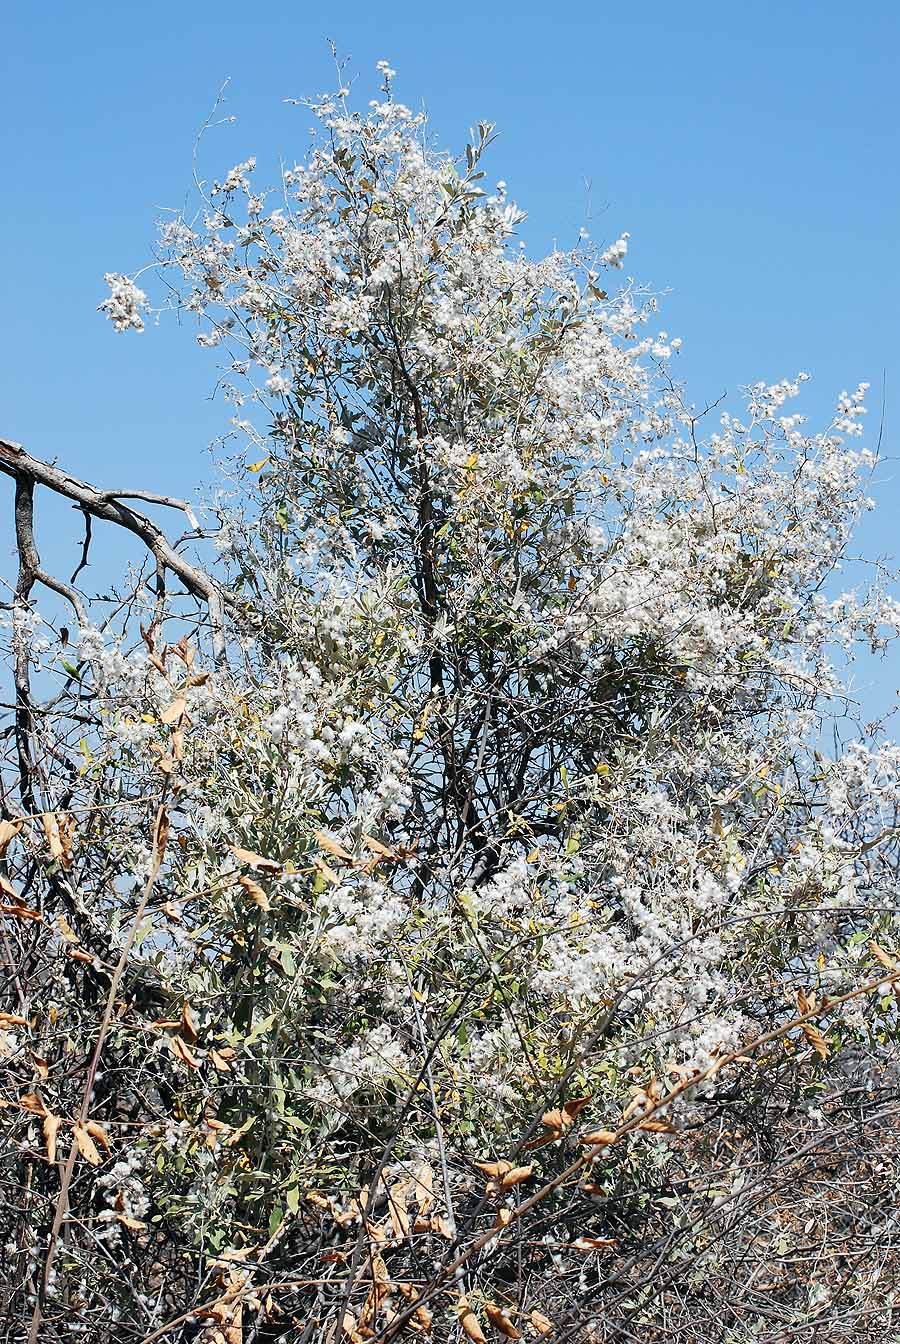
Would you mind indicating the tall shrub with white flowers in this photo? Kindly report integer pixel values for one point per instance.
(453, 923)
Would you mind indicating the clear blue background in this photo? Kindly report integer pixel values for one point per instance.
(750, 149)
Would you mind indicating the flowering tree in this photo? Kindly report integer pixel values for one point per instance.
(429, 907)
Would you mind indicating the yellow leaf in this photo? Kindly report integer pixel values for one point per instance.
(886, 960)
(258, 466)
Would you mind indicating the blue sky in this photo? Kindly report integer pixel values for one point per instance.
(750, 150)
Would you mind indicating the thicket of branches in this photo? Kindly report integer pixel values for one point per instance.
(428, 906)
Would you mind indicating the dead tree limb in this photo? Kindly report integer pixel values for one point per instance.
(28, 471)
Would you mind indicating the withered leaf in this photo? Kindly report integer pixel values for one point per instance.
(182, 1052)
(470, 1322)
(333, 846)
(500, 1321)
(8, 832)
(86, 1146)
(188, 1025)
(51, 1129)
(516, 1177)
(596, 1138)
(592, 1243)
(816, 1039)
(495, 1169)
(97, 1132)
(174, 712)
(254, 891)
(31, 1101)
(257, 862)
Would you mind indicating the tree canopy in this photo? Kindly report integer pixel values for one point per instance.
(441, 895)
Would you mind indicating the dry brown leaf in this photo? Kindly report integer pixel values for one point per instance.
(495, 1169)
(885, 958)
(22, 912)
(592, 1243)
(187, 1024)
(54, 839)
(516, 1177)
(424, 1186)
(219, 1061)
(397, 1209)
(816, 1039)
(328, 873)
(333, 846)
(254, 891)
(257, 862)
(182, 1053)
(377, 848)
(66, 930)
(500, 1321)
(12, 1020)
(542, 1324)
(8, 832)
(41, 1067)
(31, 1101)
(51, 1129)
(597, 1138)
(86, 1146)
(658, 1126)
(97, 1132)
(133, 1224)
(174, 712)
(160, 832)
(470, 1322)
